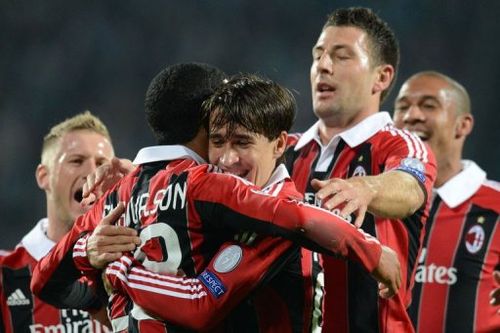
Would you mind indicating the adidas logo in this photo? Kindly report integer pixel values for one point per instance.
(17, 298)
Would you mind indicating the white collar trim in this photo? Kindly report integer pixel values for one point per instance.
(36, 241)
(353, 136)
(166, 153)
(463, 185)
(279, 174)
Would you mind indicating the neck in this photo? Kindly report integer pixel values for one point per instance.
(199, 144)
(56, 229)
(338, 123)
(448, 167)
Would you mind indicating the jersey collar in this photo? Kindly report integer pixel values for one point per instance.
(463, 185)
(353, 136)
(166, 153)
(279, 174)
(36, 241)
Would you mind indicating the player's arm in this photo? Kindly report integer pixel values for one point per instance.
(242, 208)
(55, 279)
(202, 302)
(396, 193)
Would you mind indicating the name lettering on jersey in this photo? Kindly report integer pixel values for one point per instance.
(171, 198)
(433, 273)
(72, 321)
(213, 284)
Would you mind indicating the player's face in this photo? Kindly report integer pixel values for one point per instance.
(426, 107)
(246, 154)
(77, 155)
(342, 77)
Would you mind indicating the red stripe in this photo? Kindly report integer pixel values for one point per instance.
(486, 318)
(441, 249)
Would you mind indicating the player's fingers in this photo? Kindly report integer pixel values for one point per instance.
(114, 248)
(328, 188)
(114, 215)
(360, 217)
(89, 200)
(334, 201)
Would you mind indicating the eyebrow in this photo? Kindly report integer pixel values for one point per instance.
(422, 98)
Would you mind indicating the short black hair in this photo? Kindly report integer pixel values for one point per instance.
(383, 42)
(174, 98)
(257, 104)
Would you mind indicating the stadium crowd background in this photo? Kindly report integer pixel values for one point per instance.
(58, 58)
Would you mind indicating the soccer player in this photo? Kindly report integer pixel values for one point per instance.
(71, 150)
(361, 163)
(188, 210)
(461, 247)
(243, 142)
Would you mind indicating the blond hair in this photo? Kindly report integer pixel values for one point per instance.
(82, 121)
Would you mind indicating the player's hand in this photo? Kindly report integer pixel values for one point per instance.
(103, 178)
(108, 242)
(353, 195)
(495, 294)
(388, 273)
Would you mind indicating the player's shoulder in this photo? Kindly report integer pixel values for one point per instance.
(488, 195)
(16, 258)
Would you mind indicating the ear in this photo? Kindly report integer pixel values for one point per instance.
(385, 75)
(279, 148)
(42, 176)
(464, 125)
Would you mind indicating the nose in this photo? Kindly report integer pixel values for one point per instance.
(324, 64)
(413, 115)
(228, 157)
(90, 167)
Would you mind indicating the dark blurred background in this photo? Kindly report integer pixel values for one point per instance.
(58, 58)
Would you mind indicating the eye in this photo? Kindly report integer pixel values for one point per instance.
(243, 143)
(216, 142)
(101, 162)
(429, 106)
(76, 161)
(402, 107)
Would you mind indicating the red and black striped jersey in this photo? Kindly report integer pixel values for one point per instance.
(460, 252)
(374, 146)
(268, 267)
(21, 311)
(189, 211)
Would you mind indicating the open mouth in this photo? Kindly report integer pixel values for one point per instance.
(78, 196)
(323, 87)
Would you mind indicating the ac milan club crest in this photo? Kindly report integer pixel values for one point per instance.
(474, 239)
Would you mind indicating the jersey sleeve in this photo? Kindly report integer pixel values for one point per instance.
(404, 151)
(241, 207)
(201, 302)
(56, 280)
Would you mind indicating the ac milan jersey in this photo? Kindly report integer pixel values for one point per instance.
(461, 250)
(374, 146)
(188, 211)
(21, 311)
(273, 264)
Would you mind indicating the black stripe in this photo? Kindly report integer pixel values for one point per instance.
(21, 314)
(461, 305)
(289, 284)
(417, 288)
(362, 293)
